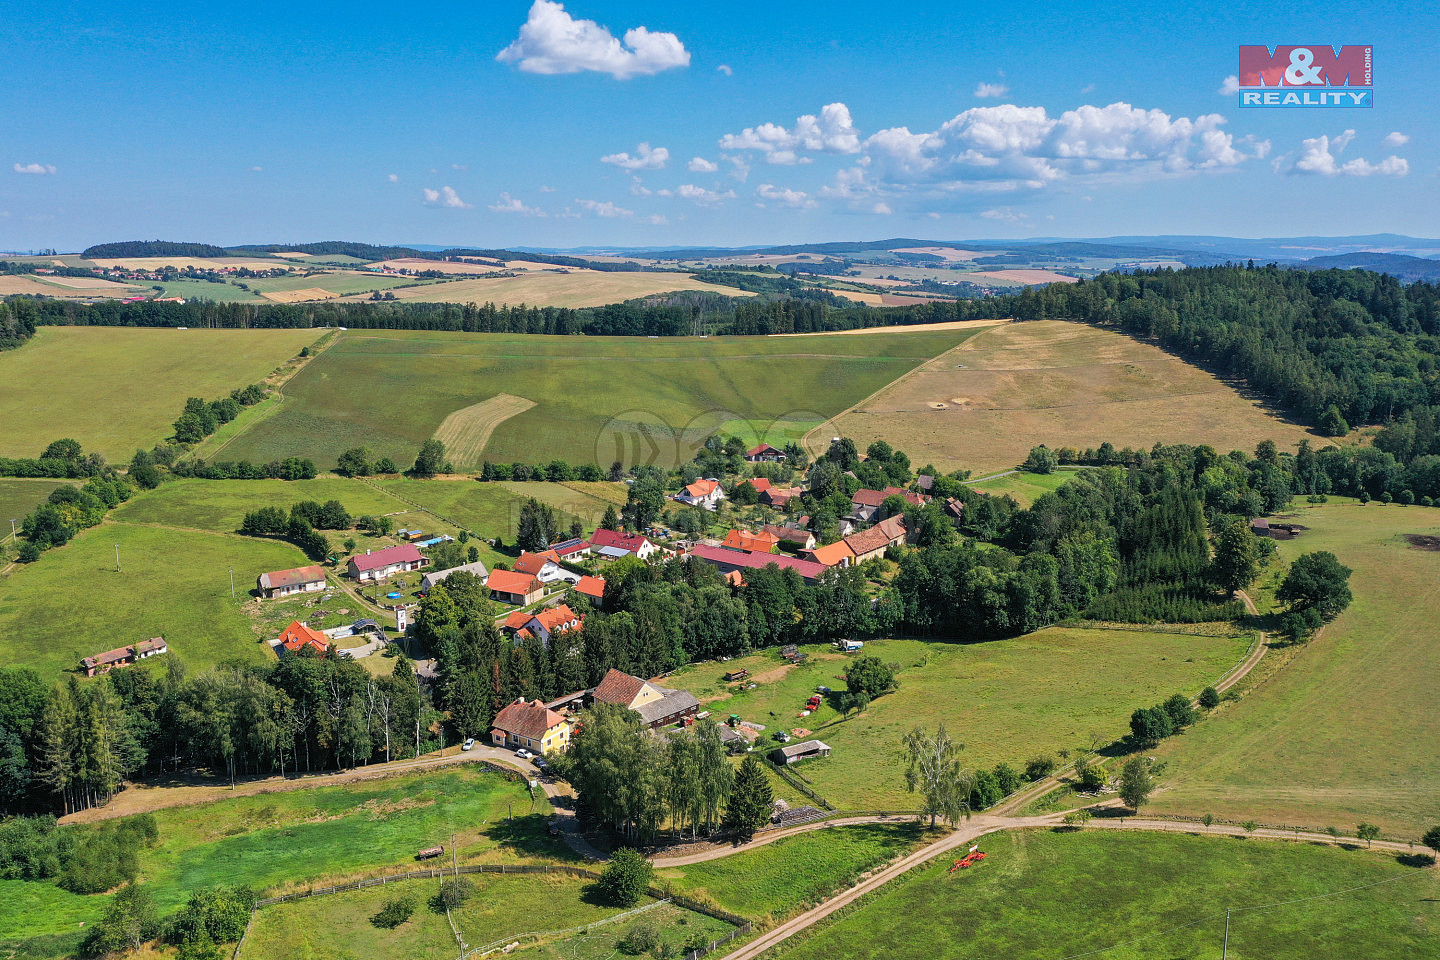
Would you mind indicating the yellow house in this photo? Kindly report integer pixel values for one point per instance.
(532, 725)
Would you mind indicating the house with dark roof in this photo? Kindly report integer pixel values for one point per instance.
(732, 560)
(795, 752)
(615, 544)
(298, 636)
(287, 583)
(702, 493)
(532, 725)
(793, 537)
(509, 586)
(764, 454)
(657, 705)
(476, 569)
(572, 549)
(124, 656)
(375, 565)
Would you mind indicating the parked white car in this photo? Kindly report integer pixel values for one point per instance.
(469, 744)
(524, 754)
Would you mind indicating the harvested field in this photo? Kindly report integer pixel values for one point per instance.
(1016, 385)
(89, 283)
(1024, 276)
(299, 296)
(440, 266)
(466, 431)
(578, 288)
(949, 253)
(16, 284)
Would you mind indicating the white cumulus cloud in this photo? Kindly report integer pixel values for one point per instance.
(393, 178)
(991, 89)
(509, 204)
(604, 208)
(551, 41)
(35, 168)
(725, 69)
(1396, 139)
(1319, 156)
(1005, 215)
(883, 208)
(698, 195)
(1229, 86)
(658, 220)
(832, 131)
(701, 165)
(795, 199)
(644, 159)
(444, 197)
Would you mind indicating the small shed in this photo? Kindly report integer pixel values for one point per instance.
(795, 752)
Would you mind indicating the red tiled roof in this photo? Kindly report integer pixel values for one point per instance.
(516, 620)
(758, 561)
(591, 587)
(291, 578)
(832, 554)
(298, 635)
(533, 563)
(763, 449)
(557, 618)
(873, 498)
(625, 541)
(569, 547)
(402, 553)
(508, 581)
(618, 688)
(701, 488)
(527, 718)
(867, 541)
(753, 542)
(761, 484)
(735, 579)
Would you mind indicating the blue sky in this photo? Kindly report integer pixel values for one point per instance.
(517, 123)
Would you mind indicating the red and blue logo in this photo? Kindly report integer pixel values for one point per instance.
(1313, 75)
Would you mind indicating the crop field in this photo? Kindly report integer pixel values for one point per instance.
(1006, 700)
(774, 880)
(19, 496)
(580, 288)
(206, 290)
(1024, 487)
(493, 509)
(118, 389)
(12, 284)
(984, 404)
(281, 841)
(1344, 732)
(598, 399)
(72, 602)
(466, 431)
(1131, 896)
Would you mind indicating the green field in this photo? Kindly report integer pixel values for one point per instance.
(205, 290)
(776, 879)
(1133, 896)
(19, 497)
(598, 399)
(280, 841)
(116, 389)
(1006, 700)
(338, 927)
(72, 602)
(1346, 731)
(1024, 487)
(221, 505)
(493, 509)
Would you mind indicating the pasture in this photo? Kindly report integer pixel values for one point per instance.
(1345, 731)
(1070, 689)
(72, 602)
(493, 509)
(1024, 487)
(597, 399)
(278, 842)
(116, 389)
(19, 496)
(984, 404)
(207, 290)
(565, 288)
(1129, 896)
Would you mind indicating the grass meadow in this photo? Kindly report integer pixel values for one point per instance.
(1342, 729)
(1006, 700)
(19, 496)
(597, 399)
(493, 509)
(281, 841)
(983, 405)
(116, 389)
(72, 602)
(1026, 488)
(1141, 895)
(776, 880)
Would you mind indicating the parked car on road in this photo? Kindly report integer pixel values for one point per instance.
(469, 744)
(523, 754)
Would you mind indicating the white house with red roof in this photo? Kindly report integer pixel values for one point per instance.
(508, 586)
(702, 493)
(543, 566)
(285, 583)
(379, 564)
(616, 544)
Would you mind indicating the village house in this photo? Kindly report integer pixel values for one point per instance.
(379, 564)
(286, 583)
(702, 493)
(872, 543)
(124, 656)
(508, 586)
(837, 554)
(780, 497)
(298, 636)
(730, 561)
(476, 569)
(796, 538)
(866, 503)
(761, 484)
(592, 587)
(543, 566)
(750, 542)
(572, 549)
(657, 706)
(765, 454)
(614, 545)
(543, 623)
(532, 725)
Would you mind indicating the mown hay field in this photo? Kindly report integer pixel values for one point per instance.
(466, 431)
(493, 509)
(117, 389)
(579, 288)
(983, 405)
(13, 284)
(597, 399)
(19, 496)
(1006, 700)
(1345, 731)
(1128, 896)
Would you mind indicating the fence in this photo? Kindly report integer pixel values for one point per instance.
(794, 781)
(499, 944)
(432, 873)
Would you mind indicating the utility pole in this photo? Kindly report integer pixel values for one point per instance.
(117, 558)
(12, 526)
(1225, 950)
(454, 855)
(232, 583)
